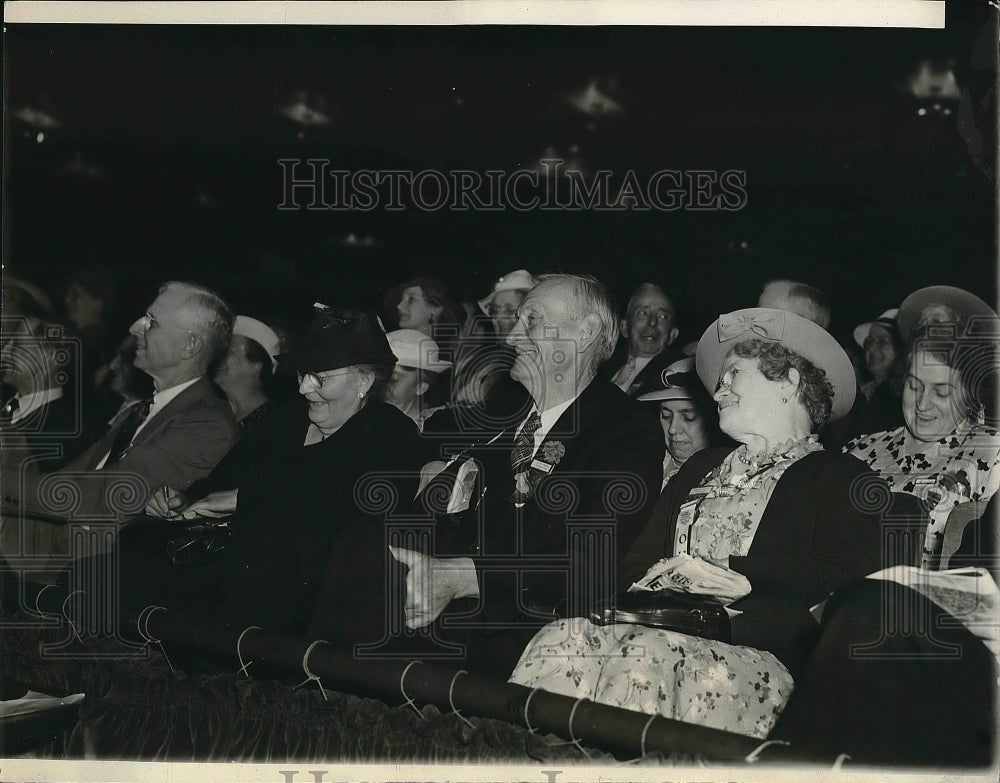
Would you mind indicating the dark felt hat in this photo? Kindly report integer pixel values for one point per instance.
(340, 338)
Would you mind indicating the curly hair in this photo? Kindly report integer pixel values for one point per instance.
(775, 361)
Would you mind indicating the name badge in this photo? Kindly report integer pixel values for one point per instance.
(545, 467)
(682, 533)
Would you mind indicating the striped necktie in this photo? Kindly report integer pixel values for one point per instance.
(123, 438)
(524, 443)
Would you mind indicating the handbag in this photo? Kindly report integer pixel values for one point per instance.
(198, 542)
(696, 615)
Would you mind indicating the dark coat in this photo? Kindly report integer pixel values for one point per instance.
(294, 506)
(651, 371)
(49, 437)
(813, 537)
(602, 485)
(181, 443)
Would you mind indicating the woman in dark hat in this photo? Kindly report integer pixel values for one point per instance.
(772, 520)
(688, 414)
(293, 504)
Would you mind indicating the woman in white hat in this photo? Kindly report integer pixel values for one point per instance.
(777, 510)
(417, 364)
(484, 365)
(245, 372)
(947, 452)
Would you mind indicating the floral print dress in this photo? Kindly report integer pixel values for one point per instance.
(656, 671)
(961, 468)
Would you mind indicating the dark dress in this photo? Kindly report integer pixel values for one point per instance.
(895, 679)
(293, 508)
(293, 503)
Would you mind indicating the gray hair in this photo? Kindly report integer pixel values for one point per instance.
(809, 301)
(590, 297)
(645, 287)
(212, 314)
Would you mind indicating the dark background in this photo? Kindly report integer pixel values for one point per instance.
(164, 162)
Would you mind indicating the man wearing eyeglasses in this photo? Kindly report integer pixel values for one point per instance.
(173, 438)
(649, 331)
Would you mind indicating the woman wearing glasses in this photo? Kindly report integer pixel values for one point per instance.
(292, 505)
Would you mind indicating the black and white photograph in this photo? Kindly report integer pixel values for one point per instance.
(499, 391)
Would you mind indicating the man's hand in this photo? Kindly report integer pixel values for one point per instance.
(166, 503)
(433, 583)
(217, 504)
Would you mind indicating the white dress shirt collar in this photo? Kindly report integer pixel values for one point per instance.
(29, 403)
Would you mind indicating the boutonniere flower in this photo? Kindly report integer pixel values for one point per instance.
(525, 481)
(553, 451)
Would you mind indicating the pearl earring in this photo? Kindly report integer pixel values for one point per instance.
(361, 395)
(784, 399)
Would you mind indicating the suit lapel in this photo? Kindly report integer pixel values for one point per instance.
(185, 399)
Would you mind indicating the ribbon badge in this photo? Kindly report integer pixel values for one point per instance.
(769, 326)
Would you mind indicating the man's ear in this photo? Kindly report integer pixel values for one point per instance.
(674, 331)
(590, 328)
(422, 387)
(623, 328)
(194, 345)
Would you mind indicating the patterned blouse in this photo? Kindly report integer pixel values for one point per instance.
(722, 514)
(958, 469)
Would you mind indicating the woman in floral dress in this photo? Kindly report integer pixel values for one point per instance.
(945, 453)
(777, 509)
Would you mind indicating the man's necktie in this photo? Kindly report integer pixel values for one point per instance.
(9, 411)
(123, 439)
(524, 443)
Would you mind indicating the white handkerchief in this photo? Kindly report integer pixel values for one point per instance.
(465, 483)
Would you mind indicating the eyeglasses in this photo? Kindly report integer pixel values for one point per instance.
(316, 380)
(148, 321)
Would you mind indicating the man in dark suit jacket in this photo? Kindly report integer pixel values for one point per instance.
(649, 333)
(175, 438)
(542, 510)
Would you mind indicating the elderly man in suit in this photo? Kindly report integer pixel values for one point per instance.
(585, 452)
(173, 438)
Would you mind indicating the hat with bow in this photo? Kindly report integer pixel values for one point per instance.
(794, 332)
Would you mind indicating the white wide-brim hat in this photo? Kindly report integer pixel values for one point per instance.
(259, 332)
(415, 349)
(888, 318)
(518, 280)
(796, 333)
